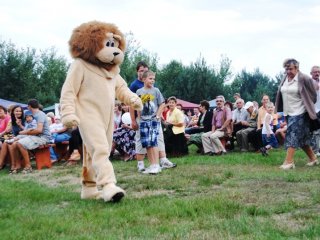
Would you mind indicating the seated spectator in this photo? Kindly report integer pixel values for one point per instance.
(281, 132)
(75, 142)
(36, 137)
(4, 121)
(51, 116)
(123, 137)
(186, 119)
(175, 141)
(204, 125)
(17, 124)
(240, 117)
(255, 137)
(221, 122)
(59, 133)
(194, 120)
(268, 137)
(242, 135)
(117, 115)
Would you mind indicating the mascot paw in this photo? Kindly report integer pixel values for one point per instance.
(90, 193)
(70, 121)
(112, 193)
(137, 104)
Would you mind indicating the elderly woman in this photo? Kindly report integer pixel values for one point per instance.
(296, 97)
(175, 141)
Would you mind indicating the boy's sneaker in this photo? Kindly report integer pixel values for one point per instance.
(140, 167)
(165, 163)
(153, 169)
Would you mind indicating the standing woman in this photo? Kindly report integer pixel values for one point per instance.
(296, 97)
(176, 143)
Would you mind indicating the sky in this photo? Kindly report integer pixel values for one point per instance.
(252, 34)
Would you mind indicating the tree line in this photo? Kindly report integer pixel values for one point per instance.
(28, 73)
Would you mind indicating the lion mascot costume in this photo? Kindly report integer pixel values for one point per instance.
(87, 101)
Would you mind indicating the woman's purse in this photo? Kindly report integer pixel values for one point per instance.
(315, 123)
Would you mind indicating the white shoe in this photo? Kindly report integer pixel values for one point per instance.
(140, 167)
(153, 169)
(318, 154)
(287, 166)
(167, 164)
(313, 163)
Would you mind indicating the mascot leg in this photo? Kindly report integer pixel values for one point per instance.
(89, 187)
(96, 143)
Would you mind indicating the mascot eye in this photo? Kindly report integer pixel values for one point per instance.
(108, 44)
(112, 44)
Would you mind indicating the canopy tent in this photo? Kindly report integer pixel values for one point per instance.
(7, 103)
(187, 105)
(213, 104)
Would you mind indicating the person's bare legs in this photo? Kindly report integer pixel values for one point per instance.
(3, 154)
(308, 150)
(153, 155)
(289, 156)
(25, 155)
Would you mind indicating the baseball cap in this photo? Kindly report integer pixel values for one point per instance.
(28, 113)
(248, 104)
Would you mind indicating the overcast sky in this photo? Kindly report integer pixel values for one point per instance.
(260, 33)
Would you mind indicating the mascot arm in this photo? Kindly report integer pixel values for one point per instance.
(69, 94)
(124, 94)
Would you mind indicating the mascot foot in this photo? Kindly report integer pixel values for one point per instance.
(112, 193)
(90, 193)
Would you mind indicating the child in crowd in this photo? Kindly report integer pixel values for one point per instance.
(30, 123)
(268, 137)
(153, 105)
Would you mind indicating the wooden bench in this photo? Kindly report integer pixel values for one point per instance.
(42, 156)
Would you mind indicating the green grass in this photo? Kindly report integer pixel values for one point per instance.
(236, 196)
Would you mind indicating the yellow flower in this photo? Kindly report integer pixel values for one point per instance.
(146, 98)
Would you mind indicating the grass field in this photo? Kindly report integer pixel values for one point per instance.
(236, 196)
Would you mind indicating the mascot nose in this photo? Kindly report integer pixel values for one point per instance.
(115, 53)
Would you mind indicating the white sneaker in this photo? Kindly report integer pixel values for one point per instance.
(9, 140)
(165, 163)
(153, 169)
(318, 154)
(140, 168)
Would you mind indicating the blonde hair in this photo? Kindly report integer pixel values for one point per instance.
(147, 73)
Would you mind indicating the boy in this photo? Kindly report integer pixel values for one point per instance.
(153, 105)
(268, 137)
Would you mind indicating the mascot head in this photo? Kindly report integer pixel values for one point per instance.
(99, 43)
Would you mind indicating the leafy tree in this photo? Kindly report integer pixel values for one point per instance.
(133, 55)
(252, 86)
(25, 74)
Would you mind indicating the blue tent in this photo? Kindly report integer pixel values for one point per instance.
(7, 103)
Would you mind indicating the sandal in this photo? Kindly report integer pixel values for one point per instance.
(27, 170)
(71, 163)
(13, 171)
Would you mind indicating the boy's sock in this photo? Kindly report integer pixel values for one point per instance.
(140, 166)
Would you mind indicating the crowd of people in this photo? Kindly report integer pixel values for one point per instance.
(163, 128)
(23, 131)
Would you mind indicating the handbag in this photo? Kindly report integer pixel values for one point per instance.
(315, 123)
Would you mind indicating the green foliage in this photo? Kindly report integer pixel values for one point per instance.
(252, 86)
(24, 74)
(133, 55)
